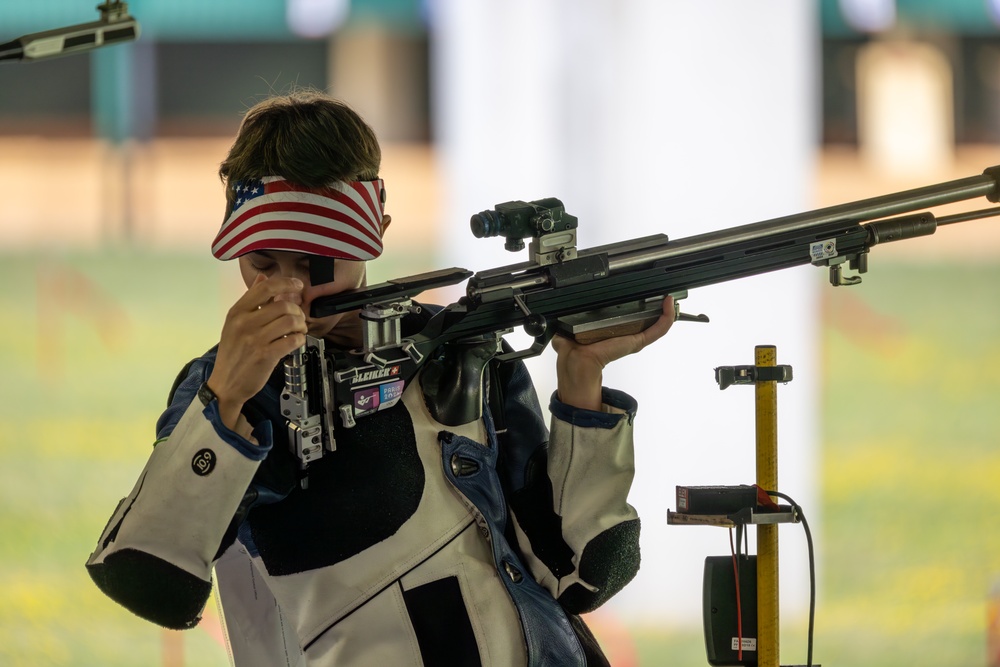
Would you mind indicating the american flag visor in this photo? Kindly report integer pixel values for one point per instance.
(342, 220)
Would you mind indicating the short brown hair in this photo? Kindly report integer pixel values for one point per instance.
(305, 137)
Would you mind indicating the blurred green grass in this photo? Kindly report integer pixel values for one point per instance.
(909, 467)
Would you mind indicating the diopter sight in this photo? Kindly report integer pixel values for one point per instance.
(551, 229)
(518, 220)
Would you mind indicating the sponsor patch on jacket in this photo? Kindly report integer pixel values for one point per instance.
(203, 462)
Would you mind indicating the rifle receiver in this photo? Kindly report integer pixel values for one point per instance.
(560, 289)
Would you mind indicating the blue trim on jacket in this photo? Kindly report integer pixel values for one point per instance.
(592, 418)
(187, 391)
(549, 637)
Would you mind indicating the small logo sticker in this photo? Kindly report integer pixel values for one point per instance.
(391, 391)
(365, 401)
(203, 462)
(823, 250)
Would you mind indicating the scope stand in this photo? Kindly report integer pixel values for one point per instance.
(738, 507)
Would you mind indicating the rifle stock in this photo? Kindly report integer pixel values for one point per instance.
(615, 288)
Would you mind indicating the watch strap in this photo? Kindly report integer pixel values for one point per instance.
(206, 394)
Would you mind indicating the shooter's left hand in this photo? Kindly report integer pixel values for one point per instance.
(579, 367)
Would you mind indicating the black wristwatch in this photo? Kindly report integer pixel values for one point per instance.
(206, 394)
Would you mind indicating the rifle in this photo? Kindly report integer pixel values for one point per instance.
(585, 294)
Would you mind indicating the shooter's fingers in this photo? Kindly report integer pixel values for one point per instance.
(283, 346)
(264, 290)
(276, 324)
(661, 326)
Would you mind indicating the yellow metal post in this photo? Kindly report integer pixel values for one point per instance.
(767, 534)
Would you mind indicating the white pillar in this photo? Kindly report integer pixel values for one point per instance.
(648, 116)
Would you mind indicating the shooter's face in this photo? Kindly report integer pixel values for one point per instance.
(344, 328)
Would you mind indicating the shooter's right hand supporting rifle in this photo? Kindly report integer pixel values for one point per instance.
(614, 288)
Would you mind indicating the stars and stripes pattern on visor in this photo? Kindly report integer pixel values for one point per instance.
(342, 220)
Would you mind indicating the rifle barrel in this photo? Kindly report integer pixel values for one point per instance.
(850, 213)
(969, 215)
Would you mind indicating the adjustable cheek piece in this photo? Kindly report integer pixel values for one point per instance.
(306, 400)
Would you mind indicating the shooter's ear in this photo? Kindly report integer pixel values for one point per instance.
(385, 223)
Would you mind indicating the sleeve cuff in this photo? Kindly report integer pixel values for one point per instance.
(261, 432)
(617, 406)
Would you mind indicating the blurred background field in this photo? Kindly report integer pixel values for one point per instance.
(109, 198)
